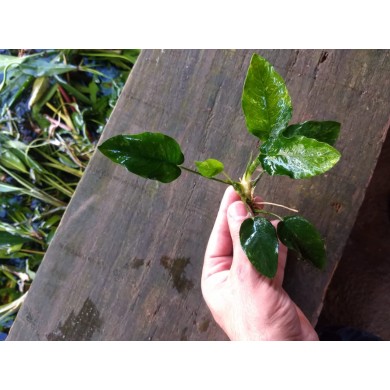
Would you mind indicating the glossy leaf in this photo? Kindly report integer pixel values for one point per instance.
(150, 155)
(265, 100)
(297, 157)
(260, 243)
(8, 240)
(7, 61)
(65, 160)
(14, 234)
(26, 159)
(40, 67)
(15, 87)
(8, 251)
(209, 167)
(40, 86)
(4, 187)
(52, 221)
(10, 160)
(301, 236)
(326, 131)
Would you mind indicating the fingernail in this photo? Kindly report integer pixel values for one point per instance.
(238, 211)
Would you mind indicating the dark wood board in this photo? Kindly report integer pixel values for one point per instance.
(358, 295)
(126, 261)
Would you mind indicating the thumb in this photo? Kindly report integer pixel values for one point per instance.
(237, 213)
(241, 266)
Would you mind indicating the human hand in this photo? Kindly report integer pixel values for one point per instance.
(245, 304)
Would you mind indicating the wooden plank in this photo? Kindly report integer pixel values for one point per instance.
(126, 261)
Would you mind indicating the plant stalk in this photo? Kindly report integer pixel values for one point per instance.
(211, 178)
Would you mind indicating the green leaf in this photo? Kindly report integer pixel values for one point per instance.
(7, 61)
(15, 86)
(260, 243)
(12, 235)
(65, 160)
(38, 67)
(151, 155)
(297, 157)
(209, 167)
(132, 54)
(93, 90)
(9, 188)
(74, 92)
(265, 100)
(51, 221)
(327, 131)
(301, 236)
(40, 86)
(25, 158)
(12, 254)
(128, 55)
(8, 240)
(9, 160)
(9, 251)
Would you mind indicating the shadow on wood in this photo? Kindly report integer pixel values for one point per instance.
(358, 295)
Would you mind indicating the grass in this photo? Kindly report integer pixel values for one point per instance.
(54, 105)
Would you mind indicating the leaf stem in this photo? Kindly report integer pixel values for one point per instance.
(255, 181)
(230, 181)
(252, 167)
(211, 178)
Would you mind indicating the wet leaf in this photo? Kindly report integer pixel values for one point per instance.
(93, 90)
(9, 251)
(74, 92)
(78, 121)
(260, 243)
(38, 67)
(9, 188)
(301, 236)
(14, 87)
(15, 234)
(51, 221)
(12, 255)
(40, 86)
(150, 155)
(297, 157)
(51, 234)
(326, 131)
(25, 158)
(265, 100)
(209, 167)
(7, 61)
(67, 161)
(8, 240)
(10, 160)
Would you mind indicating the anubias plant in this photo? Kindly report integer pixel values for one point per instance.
(299, 151)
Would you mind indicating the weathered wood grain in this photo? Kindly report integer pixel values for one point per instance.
(127, 258)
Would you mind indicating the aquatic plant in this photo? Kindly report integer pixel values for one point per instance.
(300, 151)
(53, 106)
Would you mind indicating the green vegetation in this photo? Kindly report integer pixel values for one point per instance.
(299, 151)
(53, 106)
